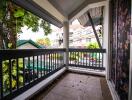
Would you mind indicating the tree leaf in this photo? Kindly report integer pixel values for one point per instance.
(18, 13)
(9, 45)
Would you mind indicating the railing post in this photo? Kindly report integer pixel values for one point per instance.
(66, 42)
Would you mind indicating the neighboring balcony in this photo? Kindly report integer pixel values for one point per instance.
(23, 73)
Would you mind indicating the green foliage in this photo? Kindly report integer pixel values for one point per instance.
(25, 18)
(9, 45)
(46, 27)
(13, 74)
(32, 21)
(2, 9)
(44, 41)
(1, 15)
(73, 57)
(93, 45)
(18, 13)
(57, 56)
(14, 18)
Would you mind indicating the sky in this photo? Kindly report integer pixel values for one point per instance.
(28, 34)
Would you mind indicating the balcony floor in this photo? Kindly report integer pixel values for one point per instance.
(73, 86)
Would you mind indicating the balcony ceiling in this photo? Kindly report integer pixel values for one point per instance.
(70, 8)
(66, 7)
(96, 14)
(59, 11)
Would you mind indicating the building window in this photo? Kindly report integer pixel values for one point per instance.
(70, 41)
(88, 39)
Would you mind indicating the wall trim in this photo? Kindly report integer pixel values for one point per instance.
(87, 71)
(112, 90)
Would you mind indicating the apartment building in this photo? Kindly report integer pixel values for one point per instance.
(79, 36)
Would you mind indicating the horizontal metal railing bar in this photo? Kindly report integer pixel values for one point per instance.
(10, 54)
(87, 50)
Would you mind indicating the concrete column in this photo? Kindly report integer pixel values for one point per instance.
(106, 39)
(66, 42)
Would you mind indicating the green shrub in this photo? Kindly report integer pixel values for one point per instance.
(93, 45)
(73, 57)
(57, 56)
(6, 83)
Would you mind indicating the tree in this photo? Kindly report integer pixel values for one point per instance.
(44, 41)
(13, 18)
(93, 45)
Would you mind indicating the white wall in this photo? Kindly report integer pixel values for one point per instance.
(27, 46)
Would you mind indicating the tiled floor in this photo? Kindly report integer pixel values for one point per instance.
(77, 87)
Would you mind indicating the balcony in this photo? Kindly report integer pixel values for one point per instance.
(71, 73)
(26, 68)
(74, 86)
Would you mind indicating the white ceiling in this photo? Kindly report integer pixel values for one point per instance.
(67, 10)
(67, 6)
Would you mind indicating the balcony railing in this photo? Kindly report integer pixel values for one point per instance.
(22, 69)
(87, 58)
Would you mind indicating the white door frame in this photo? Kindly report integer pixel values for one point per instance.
(130, 71)
(106, 38)
(130, 67)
